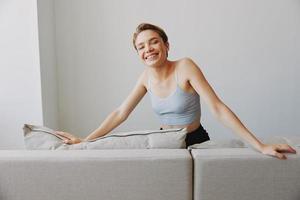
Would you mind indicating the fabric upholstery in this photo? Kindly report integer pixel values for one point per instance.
(143, 174)
(39, 137)
(244, 174)
(216, 144)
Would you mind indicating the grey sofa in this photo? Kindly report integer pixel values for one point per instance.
(160, 174)
(96, 174)
(243, 174)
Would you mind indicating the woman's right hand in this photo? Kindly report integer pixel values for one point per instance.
(68, 138)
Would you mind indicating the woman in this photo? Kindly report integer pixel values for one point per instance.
(174, 88)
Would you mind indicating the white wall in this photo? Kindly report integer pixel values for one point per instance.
(20, 91)
(248, 50)
(49, 86)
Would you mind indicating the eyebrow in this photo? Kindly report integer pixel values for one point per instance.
(146, 41)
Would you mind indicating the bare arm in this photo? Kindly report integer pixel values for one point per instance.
(118, 116)
(225, 115)
(115, 118)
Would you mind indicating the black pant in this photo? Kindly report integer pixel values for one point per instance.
(197, 136)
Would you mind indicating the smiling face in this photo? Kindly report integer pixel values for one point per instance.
(151, 48)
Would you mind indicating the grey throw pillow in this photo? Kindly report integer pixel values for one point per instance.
(39, 137)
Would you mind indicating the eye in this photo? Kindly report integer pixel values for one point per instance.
(140, 47)
(154, 41)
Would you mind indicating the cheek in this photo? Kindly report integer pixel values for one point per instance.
(163, 48)
(141, 55)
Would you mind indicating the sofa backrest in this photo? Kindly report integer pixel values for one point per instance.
(244, 174)
(143, 174)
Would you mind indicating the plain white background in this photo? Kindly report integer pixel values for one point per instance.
(248, 51)
(20, 83)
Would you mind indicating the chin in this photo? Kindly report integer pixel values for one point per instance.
(155, 63)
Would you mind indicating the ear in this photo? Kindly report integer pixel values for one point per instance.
(167, 45)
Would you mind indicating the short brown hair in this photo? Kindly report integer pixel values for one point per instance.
(147, 26)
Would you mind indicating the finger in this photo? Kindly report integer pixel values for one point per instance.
(61, 133)
(66, 141)
(284, 148)
(64, 135)
(280, 155)
(292, 150)
(69, 142)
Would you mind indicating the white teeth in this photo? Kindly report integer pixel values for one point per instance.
(151, 56)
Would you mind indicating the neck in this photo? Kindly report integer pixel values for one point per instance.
(163, 71)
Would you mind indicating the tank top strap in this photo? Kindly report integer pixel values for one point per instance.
(149, 82)
(176, 76)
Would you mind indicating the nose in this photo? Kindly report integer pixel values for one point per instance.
(148, 48)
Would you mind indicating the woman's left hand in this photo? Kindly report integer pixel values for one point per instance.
(68, 137)
(277, 150)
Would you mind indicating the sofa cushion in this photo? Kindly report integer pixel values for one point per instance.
(289, 139)
(236, 143)
(39, 137)
(217, 144)
(293, 141)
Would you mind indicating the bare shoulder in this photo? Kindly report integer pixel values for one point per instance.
(143, 78)
(186, 61)
(187, 67)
